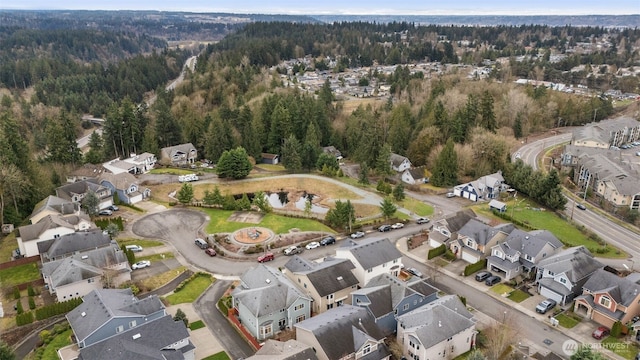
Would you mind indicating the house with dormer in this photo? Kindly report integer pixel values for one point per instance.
(53, 205)
(485, 188)
(607, 298)
(114, 324)
(387, 297)
(476, 238)
(85, 172)
(51, 227)
(74, 243)
(267, 302)
(183, 154)
(399, 163)
(75, 192)
(446, 229)
(520, 253)
(371, 257)
(329, 282)
(414, 176)
(284, 350)
(344, 332)
(126, 187)
(561, 276)
(442, 329)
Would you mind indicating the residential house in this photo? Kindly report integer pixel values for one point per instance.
(571, 155)
(114, 324)
(520, 252)
(442, 329)
(497, 205)
(607, 298)
(486, 187)
(143, 163)
(614, 181)
(177, 155)
(77, 242)
(387, 297)
(76, 192)
(344, 332)
(331, 150)
(50, 227)
(126, 187)
(85, 172)
(414, 176)
(52, 205)
(607, 133)
(561, 276)
(272, 159)
(445, 229)
(371, 257)
(267, 302)
(328, 283)
(399, 163)
(288, 350)
(476, 238)
(79, 273)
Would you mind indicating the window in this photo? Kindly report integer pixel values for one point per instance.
(299, 306)
(370, 270)
(305, 285)
(405, 307)
(132, 324)
(330, 297)
(266, 330)
(340, 303)
(282, 323)
(329, 306)
(469, 242)
(120, 329)
(563, 280)
(366, 349)
(300, 318)
(605, 301)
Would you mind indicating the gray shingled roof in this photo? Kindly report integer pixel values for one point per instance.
(342, 330)
(331, 279)
(151, 339)
(530, 243)
(99, 306)
(373, 252)
(602, 130)
(83, 265)
(170, 151)
(457, 220)
(397, 160)
(79, 187)
(54, 203)
(289, 350)
(379, 297)
(576, 262)
(33, 231)
(264, 290)
(438, 320)
(71, 243)
(622, 290)
(400, 289)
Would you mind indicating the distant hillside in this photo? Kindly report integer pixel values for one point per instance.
(493, 20)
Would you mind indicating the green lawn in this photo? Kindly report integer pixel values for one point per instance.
(528, 213)
(7, 245)
(567, 321)
(19, 274)
(417, 207)
(219, 356)
(196, 325)
(156, 257)
(173, 171)
(59, 341)
(270, 167)
(143, 243)
(191, 291)
(401, 216)
(518, 296)
(279, 224)
(624, 349)
(501, 289)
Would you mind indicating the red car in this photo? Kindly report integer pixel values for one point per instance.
(600, 333)
(210, 252)
(265, 257)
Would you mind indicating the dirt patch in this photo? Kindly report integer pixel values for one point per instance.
(417, 240)
(246, 217)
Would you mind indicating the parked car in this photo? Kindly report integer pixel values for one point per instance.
(312, 245)
(292, 250)
(266, 257)
(327, 241)
(141, 264)
(600, 333)
(201, 243)
(210, 252)
(384, 228)
(492, 280)
(423, 220)
(581, 207)
(134, 248)
(545, 306)
(105, 212)
(483, 275)
(397, 226)
(113, 208)
(450, 194)
(357, 235)
(415, 272)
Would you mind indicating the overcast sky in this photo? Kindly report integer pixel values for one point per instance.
(404, 7)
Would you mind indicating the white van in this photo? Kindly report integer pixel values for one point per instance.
(188, 178)
(134, 248)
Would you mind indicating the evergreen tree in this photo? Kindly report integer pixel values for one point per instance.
(150, 140)
(181, 316)
(364, 174)
(213, 197)
(90, 203)
(387, 207)
(585, 352)
(327, 160)
(5, 352)
(487, 116)
(61, 141)
(383, 161)
(291, 154)
(445, 171)
(243, 203)
(95, 155)
(398, 192)
(260, 200)
(342, 216)
(167, 127)
(234, 164)
(185, 194)
(517, 126)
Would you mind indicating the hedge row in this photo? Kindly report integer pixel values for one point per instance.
(436, 251)
(472, 268)
(185, 282)
(58, 308)
(24, 318)
(103, 223)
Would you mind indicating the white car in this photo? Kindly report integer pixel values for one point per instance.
(312, 245)
(141, 264)
(357, 235)
(397, 226)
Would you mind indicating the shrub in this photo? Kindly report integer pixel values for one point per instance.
(616, 329)
(24, 319)
(19, 308)
(449, 255)
(16, 293)
(48, 311)
(436, 251)
(472, 268)
(32, 303)
(30, 290)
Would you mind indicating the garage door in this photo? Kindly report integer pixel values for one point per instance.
(550, 294)
(469, 257)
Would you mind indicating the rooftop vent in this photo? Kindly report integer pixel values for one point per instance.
(85, 257)
(268, 281)
(339, 278)
(439, 323)
(136, 336)
(83, 314)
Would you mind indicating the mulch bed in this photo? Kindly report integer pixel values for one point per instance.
(418, 240)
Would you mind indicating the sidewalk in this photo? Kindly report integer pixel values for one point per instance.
(420, 254)
(203, 339)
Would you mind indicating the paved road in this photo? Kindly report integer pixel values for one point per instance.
(608, 230)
